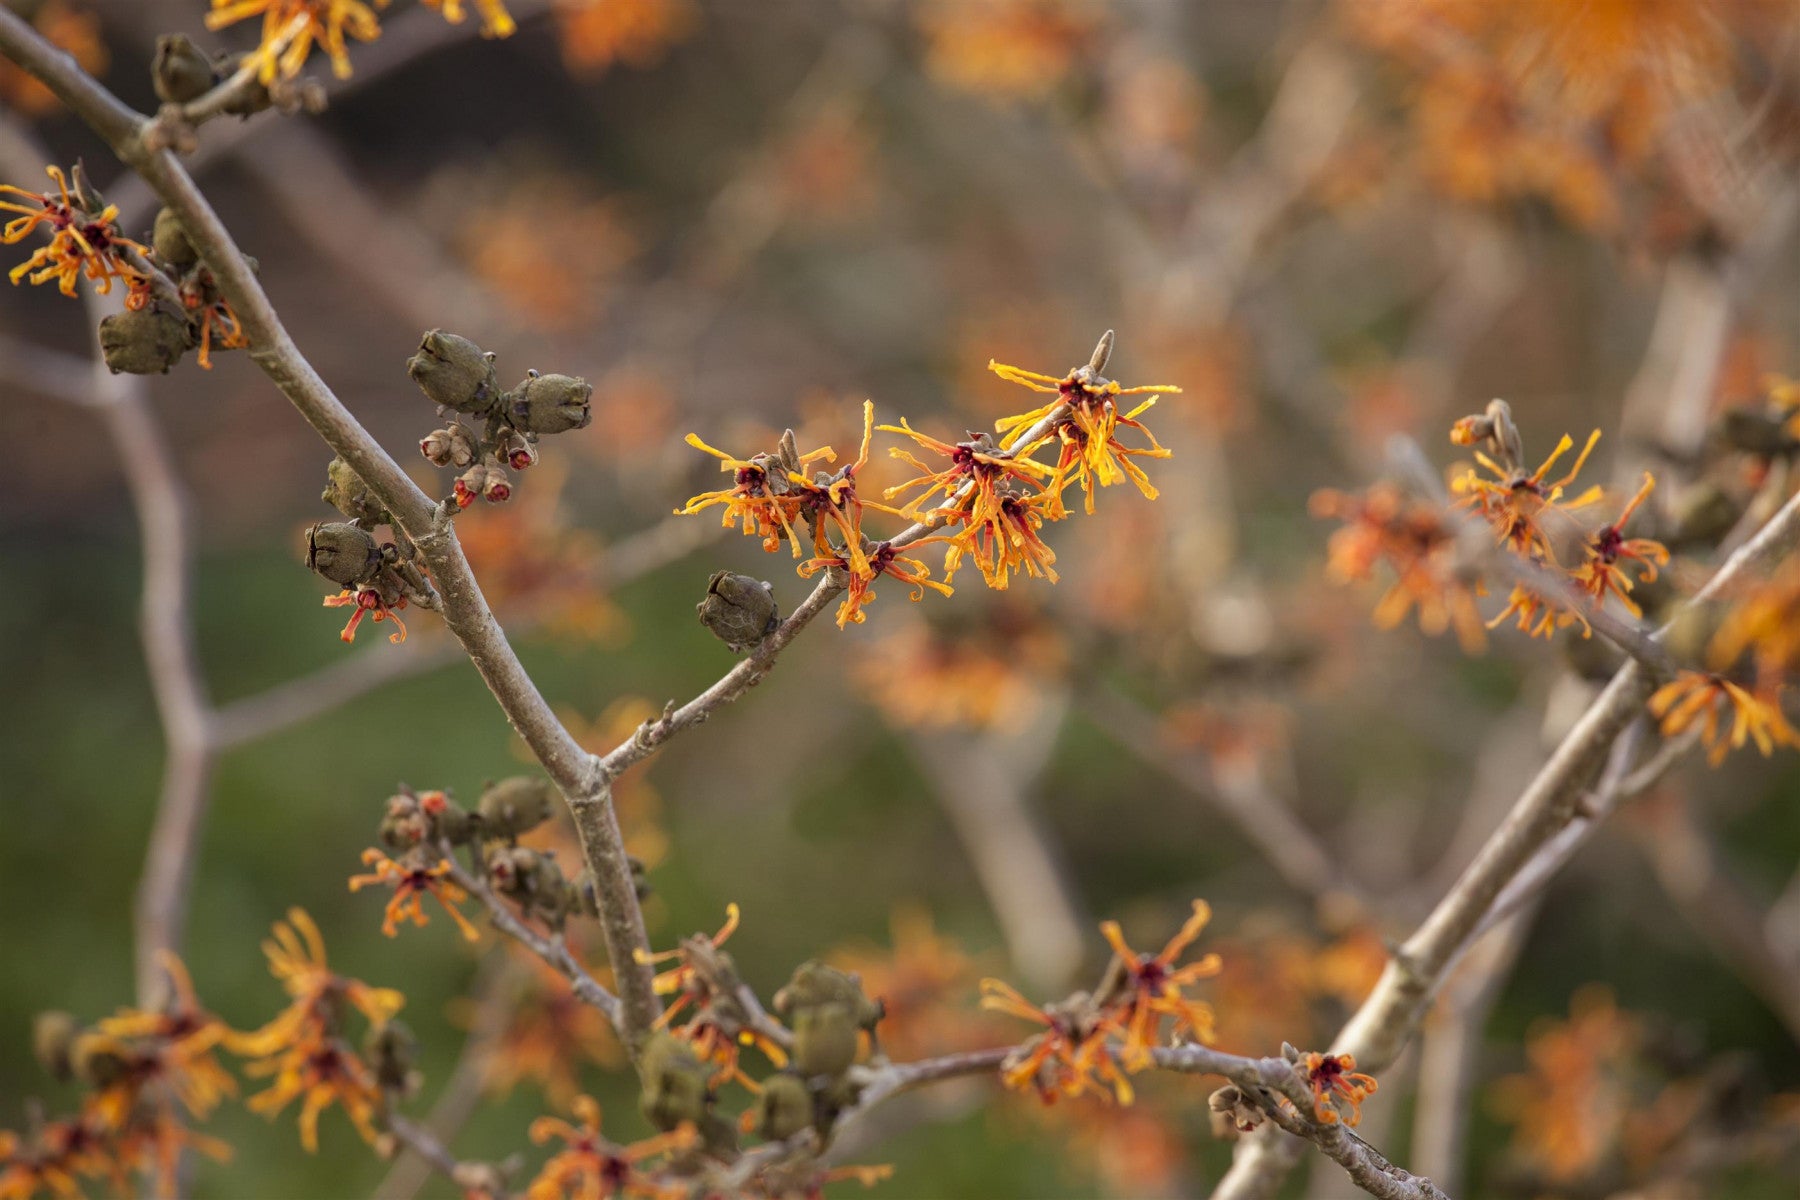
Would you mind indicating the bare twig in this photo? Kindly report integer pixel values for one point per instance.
(548, 946)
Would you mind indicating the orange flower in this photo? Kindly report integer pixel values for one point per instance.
(60, 1151)
(1336, 1085)
(1087, 427)
(597, 33)
(1150, 989)
(761, 495)
(549, 1033)
(1007, 540)
(496, 22)
(885, 559)
(1570, 1105)
(367, 600)
(1537, 616)
(291, 27)
(322, 1072)
(412, 883)
(81, 242)
(1515, 502)
(1683, 700)
(1007, 49)
(201, 299)
(1601, 575)
(1071, 1057)
(72, 29)
(1383, 525)
(977, 464)
(591, 1168)
(1763, 623)
(173, 1046)
(680, 977)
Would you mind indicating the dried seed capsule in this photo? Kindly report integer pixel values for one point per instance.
(815, 984)
(454, 372)
(824, 1040)
(551, 404)
(346, 492)
(514, 806)
(393, 1051)
(170, 239)
(674, 1082)
(784, 1108)
(740, 611)
(53, 1037)
(145, 341)
(343, 553)
(180, 72)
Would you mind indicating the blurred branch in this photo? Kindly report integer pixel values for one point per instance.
(1690, 867)
(981, 781)
(1242, 796)
(462, 1092)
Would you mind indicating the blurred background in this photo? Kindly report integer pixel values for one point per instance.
(1329, 223)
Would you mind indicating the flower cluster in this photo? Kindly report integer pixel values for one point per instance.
(292, 28)
(304, 1048)
(589, 1166)
(84, 238)
(987, 494)
(1092, 1042)
(1531, 516)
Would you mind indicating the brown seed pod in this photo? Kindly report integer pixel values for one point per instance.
(346, 492)
(393, 1051)
(824, 1040)
(784, 1107)
(344, 553)
(170, 240)
(740, 611)
(145, 341)
(674, 1082)
(514, 806)
(180, 72)
(550, 404)
(815, 984)
(455, 372)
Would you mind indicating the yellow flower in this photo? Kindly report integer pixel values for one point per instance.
(1336, 1084)
(1150, 989)
(291, 27)
(1087, 427)
(81, 242)
(496, 22)
(1515, 502)
(1692, 694)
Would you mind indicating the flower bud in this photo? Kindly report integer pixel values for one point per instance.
(472, 484)
(551, 404)
(740, 611)
(180, 72)
(496, 488)
(514, 806)
(783, 1109)
(436, 446)
(53, 1037)
(457, 825)
(516, 451)
(147, 341)
(1232, 1113)
(454, 372)
(346, 492)
(169, 238)
(345, 554)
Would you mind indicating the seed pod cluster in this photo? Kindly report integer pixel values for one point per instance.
(504, 423)
(676, 1089)
(182, 310)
